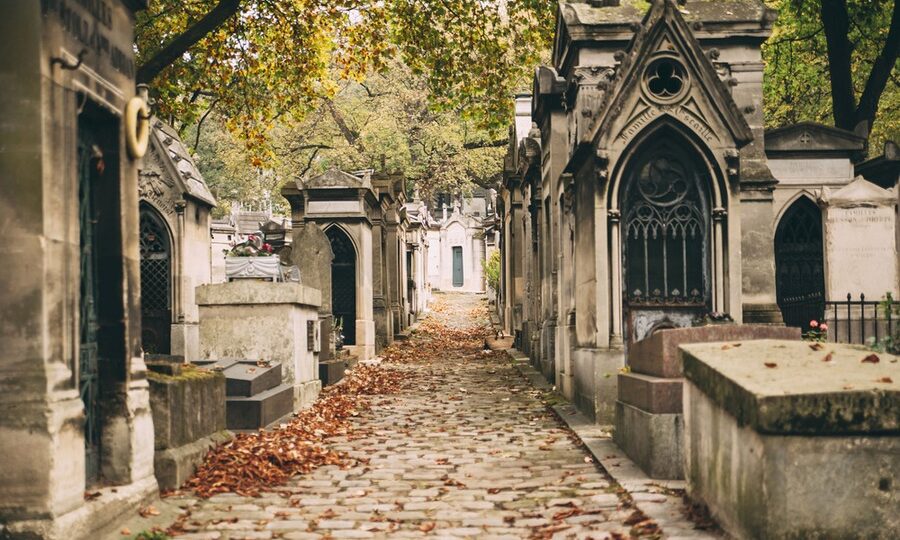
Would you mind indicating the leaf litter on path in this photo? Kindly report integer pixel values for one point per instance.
(254, 462)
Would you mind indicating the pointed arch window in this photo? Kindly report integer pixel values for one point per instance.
(665, 228)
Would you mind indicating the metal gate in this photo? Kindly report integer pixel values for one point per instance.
(90, 165)
(343, 282)
(800, 279)
(665, 243)
(156, 279)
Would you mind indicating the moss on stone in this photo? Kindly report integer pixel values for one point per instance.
(189, 372)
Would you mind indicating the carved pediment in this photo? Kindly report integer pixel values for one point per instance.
(664, 72)
(814, 138)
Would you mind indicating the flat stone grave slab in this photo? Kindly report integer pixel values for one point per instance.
(260, 410)
(216, 365)
(248, 378)
(793, 439)
(799, 388)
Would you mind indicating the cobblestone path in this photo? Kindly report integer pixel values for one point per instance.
(469, 450)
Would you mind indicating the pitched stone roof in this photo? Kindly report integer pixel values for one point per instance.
(178, 162)
(665, 23)
(809, 137)
(632, 11)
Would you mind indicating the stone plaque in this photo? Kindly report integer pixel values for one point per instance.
(860, 248)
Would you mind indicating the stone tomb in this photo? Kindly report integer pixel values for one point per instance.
(188, 416)
(175, 205)
(649, 407)
(343, 205)
(780, 443)
(270, 322)
(313, 257)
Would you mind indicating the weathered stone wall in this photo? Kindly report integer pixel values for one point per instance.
(43, 477)
(771, 426)
(188, 418)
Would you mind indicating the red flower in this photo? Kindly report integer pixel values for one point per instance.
(267, 247)
(823, 327)
(813, 324)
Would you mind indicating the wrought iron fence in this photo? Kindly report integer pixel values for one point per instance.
(849, 321)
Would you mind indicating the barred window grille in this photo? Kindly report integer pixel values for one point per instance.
(665, 231)
(155, 262)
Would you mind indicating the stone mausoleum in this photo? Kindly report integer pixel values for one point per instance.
(74, 407)
(175, 204)
(639, 198)
(457, 240)
(372, 265)
(641, 193)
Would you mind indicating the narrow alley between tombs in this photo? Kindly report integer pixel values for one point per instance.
(464, 448)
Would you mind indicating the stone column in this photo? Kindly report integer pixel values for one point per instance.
(392, 241)
(757, 211)
(380, 305)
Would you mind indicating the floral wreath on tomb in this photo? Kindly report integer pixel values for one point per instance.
(255, 259)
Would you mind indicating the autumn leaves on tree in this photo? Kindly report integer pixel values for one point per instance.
(283, 76)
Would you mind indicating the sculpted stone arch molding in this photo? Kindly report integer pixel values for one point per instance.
(671, 132)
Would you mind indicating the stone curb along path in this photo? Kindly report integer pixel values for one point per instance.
(661, 500)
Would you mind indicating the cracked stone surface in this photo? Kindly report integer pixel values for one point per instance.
(468, 450)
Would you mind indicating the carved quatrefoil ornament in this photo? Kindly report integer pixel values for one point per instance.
(666, 80)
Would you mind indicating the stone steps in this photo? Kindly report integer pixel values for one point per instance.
(255, 396)
(259, 411)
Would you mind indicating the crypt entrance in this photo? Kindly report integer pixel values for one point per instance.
(665, 231)
(799, 263)
(156, 280)
(343, 282)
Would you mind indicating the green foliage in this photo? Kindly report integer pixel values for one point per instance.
(797, 78)
(276, 59)
(385, 123)
(492, 271)
(270, 59)
(890, 309)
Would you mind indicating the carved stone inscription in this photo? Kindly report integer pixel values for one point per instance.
(860, 253)
(90, 22)
(688, 117)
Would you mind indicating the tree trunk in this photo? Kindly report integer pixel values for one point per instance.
(181, 44)
(836, 22)
(881, 72)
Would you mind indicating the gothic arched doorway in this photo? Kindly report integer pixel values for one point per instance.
(343, 282)
(665, 240)
(800, 278)
(156, 280)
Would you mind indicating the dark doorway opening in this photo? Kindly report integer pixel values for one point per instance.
(102, 356)
(458, 278)
(343, 282)
(156, 281)
(665, 239)
(799, 266)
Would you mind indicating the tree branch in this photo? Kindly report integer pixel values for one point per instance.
(486, 144)
(200, 123)
(867, 109)
(836, 22)
(181, 44)
(309, 163)
(350, 135)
